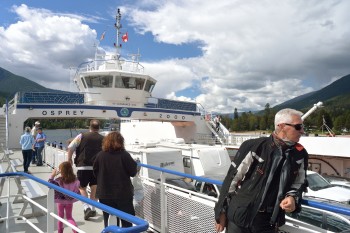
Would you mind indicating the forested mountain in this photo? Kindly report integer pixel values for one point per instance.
(11, 83)
(329, 95)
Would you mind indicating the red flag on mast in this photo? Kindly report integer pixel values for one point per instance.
(103, 36)
(125, 37)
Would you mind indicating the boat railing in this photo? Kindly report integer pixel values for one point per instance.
(11, 104)
(140, 225)
(169, 208)
(111, 64)
(231, 139)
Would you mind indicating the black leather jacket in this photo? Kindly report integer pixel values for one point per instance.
(249, 178)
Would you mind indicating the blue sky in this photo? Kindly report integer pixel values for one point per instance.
(223, 54)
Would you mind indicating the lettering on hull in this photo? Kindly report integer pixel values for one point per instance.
(63, 113)
(167, 164)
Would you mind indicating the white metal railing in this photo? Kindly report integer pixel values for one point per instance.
(168, 208)
(139, 224)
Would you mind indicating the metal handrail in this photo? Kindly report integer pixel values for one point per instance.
(140, 224)
(344, 210)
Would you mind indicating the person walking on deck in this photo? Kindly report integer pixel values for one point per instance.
(27, 143)
(86, 146)
(113, 169)
(39, 146)
(34, 132)
(66, 180)
(217, 123)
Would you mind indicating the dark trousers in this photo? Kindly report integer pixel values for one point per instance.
(34, 156)
(39, 155)
(27, 157)
(123, 205)
(261, 224)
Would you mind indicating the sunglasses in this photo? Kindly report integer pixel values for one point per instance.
(296, 126)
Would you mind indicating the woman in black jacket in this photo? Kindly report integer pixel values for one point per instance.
(113, 168)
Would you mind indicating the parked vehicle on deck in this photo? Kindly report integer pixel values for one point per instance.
(320, 188)
(208, 188)
(338, 181)
(316, 221)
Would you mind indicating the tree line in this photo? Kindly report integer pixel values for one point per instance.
(337, 119)
(59, 123)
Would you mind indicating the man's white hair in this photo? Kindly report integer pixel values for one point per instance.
(285, 116)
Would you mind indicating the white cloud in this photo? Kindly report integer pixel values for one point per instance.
(255, 52)
(42, 45)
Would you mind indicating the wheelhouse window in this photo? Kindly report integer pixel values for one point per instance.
(82, 81)
(149, 86)
(130, 82)
(100, 81)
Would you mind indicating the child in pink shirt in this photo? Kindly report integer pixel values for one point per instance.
(69, 181)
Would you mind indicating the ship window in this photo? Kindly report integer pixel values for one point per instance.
(119, 82)
(149, 86)
(187, 162)
(101, 81)
(130, 82)
(82, 80)
(139, 83)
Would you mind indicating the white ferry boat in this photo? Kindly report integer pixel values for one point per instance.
(112, 87)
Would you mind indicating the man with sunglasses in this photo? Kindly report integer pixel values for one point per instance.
(266, 179)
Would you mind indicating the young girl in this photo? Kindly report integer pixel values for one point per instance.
(64, 202)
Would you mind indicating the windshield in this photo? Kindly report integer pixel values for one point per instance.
(317, 182)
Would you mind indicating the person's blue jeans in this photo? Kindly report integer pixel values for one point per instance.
(39, 156)
(27, 157)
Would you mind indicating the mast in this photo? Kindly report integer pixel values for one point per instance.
(118, 26)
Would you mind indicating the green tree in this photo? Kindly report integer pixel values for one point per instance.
(339, 123)
(235, 114)
(347, 122)
(267, 111)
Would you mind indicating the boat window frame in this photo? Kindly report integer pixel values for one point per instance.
(83, 82)
(92, 83)
(130, 82)
(149, 85)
